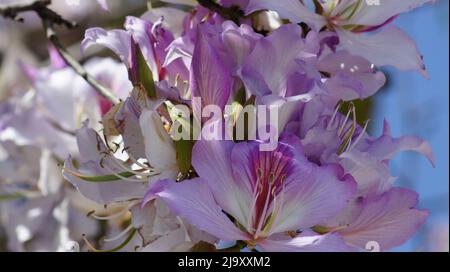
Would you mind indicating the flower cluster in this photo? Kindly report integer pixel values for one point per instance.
(234, 71)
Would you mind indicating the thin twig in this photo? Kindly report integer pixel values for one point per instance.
(49, 19)
(233, 13)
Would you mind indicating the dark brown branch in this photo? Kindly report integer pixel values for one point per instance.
(49, 19)
(233, 13)
(76, 66)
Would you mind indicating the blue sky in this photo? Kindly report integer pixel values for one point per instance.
(416, 106)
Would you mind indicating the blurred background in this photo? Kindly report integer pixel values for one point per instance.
(413, 105)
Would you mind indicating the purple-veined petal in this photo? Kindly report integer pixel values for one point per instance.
(152, 41)
(385, 147)
(210, 77)
(239, 41)
(389, 219)
(389, 47)
(193, 201)
(234, 196)
(371, 174)
(286, 107)
(314, 196)
(173, 18)
(352, 77)
(119, 41)
(304, 194)
(262, 75)
(373, 15)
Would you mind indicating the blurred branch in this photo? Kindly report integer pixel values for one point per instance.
(49, 19)
(233, 13)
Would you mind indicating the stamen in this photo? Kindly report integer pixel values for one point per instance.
(356, 6)
(278, 202)
(115, 215)
(252, 212)
(264, 213)
(344, 124)
(177, 78)
(360, 136)
(333, 116)
(122, 177)
(103, 178)
(120, 235)
(119, 247)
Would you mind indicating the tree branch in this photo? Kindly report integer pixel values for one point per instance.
(49, 19)
(233, 13)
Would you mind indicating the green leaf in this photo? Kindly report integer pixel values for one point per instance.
(145, 75)
(184, 146)
(184, 155)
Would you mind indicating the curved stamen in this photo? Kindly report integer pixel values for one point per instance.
(119, 163)
(252, 211)
(263, 215)
(103, 178)
(333, 117)
(275, 211)
(360, 136)
(115, 215)
(121, 177)
(344, 123)
(120, 235)
(119, 247)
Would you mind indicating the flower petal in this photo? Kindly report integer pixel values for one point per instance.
(308, 242)
(315, 197)
(193, 201)
(352, 77)
(233, 196)
(262, 75)
(373, 15)
(293, 10)
(119, 41)
(389, 220)
(92, 151)
(385, 147)
(159, 147)
(391, 46)
(210, 77)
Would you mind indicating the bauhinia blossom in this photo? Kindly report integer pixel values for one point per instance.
(266, 193)
(324, 186)
(350, 20)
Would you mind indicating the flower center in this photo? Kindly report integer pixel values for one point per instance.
(270, 172)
